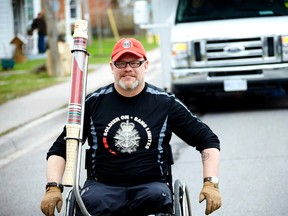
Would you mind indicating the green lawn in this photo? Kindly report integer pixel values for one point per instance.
(30, 65)
(24, 79)
(16, 85)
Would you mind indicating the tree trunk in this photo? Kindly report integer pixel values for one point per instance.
(52, 35)
(87, 18)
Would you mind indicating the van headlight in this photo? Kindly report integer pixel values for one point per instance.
(180, 55)
(284, 48)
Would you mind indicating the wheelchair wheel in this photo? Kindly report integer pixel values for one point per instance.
(181, 200)
(70, 203)
(72, 208)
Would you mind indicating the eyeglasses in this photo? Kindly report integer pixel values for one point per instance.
(133, 64)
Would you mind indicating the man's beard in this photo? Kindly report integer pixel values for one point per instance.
(130, 87)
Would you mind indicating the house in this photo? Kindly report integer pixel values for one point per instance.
(16, 17)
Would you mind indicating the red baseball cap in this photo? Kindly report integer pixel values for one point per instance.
(128, 45)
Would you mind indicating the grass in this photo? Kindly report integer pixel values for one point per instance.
(29, 65)
(23, 79)
(16, 85)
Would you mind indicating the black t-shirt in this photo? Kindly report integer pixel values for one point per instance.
(129, 136)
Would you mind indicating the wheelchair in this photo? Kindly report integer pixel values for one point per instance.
(180, 197)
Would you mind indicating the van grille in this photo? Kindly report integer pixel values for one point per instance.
(236, 51)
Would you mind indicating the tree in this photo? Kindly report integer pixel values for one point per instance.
(52, 35)
(87, 18)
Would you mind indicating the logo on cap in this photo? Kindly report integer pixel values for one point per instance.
(127, 44)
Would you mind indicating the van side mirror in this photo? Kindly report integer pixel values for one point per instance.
(141, 12)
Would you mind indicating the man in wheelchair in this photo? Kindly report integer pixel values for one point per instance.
(128, 125)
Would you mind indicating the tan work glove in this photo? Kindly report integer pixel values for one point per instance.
(52, 199)
(212, 195)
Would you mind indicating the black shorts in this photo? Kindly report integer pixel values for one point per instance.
(143, 199)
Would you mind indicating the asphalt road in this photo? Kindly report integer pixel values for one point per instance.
(253, 166)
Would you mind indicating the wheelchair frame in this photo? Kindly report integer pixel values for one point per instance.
(180, 195)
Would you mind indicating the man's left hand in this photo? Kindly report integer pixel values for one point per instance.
(211, 193)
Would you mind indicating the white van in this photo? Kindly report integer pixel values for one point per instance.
(229, 46)
(220, 46)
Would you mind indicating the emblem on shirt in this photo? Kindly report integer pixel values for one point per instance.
(127, 137)
(129, 133)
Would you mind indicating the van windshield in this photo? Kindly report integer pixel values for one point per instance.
(204, 10)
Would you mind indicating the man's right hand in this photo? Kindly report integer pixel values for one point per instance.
(52, 199)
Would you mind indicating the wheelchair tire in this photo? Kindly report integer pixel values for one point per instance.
(181, 200)
(70, 203)
(72, 208)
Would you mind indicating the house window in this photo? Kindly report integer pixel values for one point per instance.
(30, 10)
(73, 7)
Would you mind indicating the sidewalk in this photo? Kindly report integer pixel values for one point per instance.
(28, 108)
(40, 104)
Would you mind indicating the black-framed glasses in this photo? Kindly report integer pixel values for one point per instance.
(133, 64)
